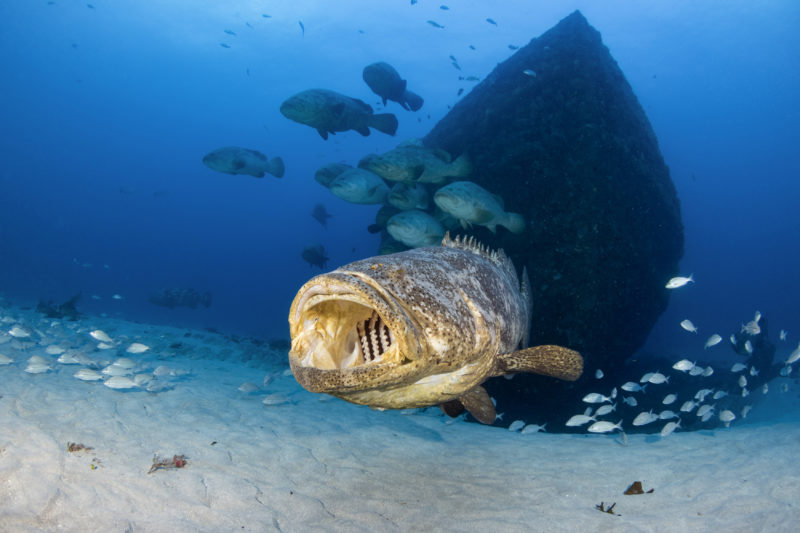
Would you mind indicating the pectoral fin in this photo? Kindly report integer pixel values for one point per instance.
(483, 215)
(452, 408)
(479, 404)
(546, 360)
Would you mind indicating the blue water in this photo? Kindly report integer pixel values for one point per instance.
(106, 112)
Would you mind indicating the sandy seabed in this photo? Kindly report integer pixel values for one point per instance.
(305, 464)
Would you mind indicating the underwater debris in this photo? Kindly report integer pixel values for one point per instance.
(65, 310)
(177, 461)
(609, 509)
(636, 488)
(73, 447)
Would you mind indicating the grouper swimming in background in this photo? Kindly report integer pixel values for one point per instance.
(384, 81)
(236, 160)
(329, 112)
(417, 328)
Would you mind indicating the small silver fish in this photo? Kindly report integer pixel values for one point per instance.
(748, 347)
(579, 420)
(598, 374)
(275, 399)
(782, 335)
(19, 332)
(595, 397)
(116, 370)
(529, 72)
(605, 409)
(666, 415)
(669, 399)
(742, 381)
(68, 359)
(247, 387)
(704, 409)
(516, 425)
(669, 427)
(745, 392)
(630, 386)
(753, 371)
(707, 371)
(86, 374)
(100, 335)
(533, 428)
(604, 427)
(120, 383)
(683, 365)
(645, 417)
(37, 368)
(696, 370)
(719, 394)
(630, 400)
(687, 406)
(738, 367)
(688, 326)
(746, 410)
(658, 378)
(646, 378)
(701, 394)
(765, 389)
(751, 328)
(727, 416)
(713, 340)
(679, 281)
(137, 347)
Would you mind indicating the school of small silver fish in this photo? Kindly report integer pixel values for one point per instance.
(705, 412)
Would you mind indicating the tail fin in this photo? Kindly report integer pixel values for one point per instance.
(276, 167)
(514, 222)
(413, 100)
(384, 122)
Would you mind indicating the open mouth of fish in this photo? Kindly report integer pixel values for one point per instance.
(346, 322)
(340, 334)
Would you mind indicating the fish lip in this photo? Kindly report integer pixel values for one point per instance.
(360, 289)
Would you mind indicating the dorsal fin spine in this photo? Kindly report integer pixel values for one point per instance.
(470, 244)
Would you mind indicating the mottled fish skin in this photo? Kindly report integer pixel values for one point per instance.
(449, 318)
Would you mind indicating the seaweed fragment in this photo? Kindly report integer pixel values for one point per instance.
(609, 509)
(177, 461)
(636, 488)
(73, 447)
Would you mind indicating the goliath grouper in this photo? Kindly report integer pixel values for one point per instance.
(418, 328)
(329, 112)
